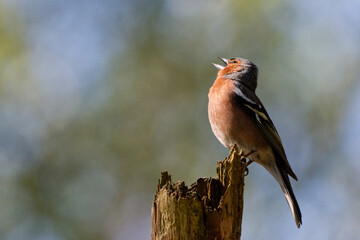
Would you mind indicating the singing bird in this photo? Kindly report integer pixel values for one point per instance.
(237, 116)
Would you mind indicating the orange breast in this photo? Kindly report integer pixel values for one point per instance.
(229, 122)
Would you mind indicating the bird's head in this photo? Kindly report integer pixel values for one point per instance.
(240, 70)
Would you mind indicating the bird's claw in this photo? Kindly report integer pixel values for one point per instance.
(244, 157)
(250, 161)
(246, 166)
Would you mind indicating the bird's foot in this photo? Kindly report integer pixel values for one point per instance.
(246, 166)
(250, 161)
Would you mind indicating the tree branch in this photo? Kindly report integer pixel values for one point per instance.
(209, 209)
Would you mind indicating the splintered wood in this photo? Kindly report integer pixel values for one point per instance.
(208, 209)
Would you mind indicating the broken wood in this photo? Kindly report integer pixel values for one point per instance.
(210, 209)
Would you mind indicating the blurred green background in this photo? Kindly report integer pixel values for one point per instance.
(98, 97)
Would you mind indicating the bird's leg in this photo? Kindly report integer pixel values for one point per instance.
(249, 153)
(250, 161)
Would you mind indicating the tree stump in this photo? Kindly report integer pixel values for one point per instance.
(210, 209)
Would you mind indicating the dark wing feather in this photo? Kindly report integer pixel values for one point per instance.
(252, 105)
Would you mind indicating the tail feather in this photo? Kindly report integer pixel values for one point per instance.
(282, 178)
(290, 198)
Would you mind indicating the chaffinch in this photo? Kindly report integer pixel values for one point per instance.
(237, 116)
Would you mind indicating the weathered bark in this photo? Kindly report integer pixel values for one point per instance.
(209, 209)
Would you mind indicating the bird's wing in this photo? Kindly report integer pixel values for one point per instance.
(252, 105)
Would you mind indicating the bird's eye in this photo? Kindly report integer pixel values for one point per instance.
(234, 62)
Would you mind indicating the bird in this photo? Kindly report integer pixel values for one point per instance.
(237, 116)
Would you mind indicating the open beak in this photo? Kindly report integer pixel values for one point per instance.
(218, 66)
(225, 60)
